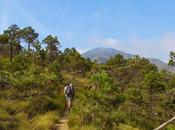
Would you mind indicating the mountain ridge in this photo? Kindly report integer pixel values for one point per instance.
(102, 54)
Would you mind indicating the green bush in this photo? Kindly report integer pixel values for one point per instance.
(7, 122)
(43, 104)
(6, 78)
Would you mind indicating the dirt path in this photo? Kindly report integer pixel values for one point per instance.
(63, 123)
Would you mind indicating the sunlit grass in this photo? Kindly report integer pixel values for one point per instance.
(125, 127)
(46, 121)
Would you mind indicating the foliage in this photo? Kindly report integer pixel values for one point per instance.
(170, 127)
(122, 94)
(117, 60)
(75, 63)
(52, 43)
(172, 58)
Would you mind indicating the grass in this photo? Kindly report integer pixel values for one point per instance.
(4, 114)
(23, 121)
(14, 114)
(125, 127)
(171, 127)
(84, 127)
(46, 121)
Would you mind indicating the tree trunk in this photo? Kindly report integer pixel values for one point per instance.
(11, 52)
(28, 47)
(18, 49)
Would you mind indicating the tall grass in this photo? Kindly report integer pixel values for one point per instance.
(46, 121)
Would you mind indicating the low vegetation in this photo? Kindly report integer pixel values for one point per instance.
(122, 94)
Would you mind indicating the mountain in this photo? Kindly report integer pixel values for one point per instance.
(103, 54)
(162, 65)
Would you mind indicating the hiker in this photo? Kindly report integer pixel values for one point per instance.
(69, 93)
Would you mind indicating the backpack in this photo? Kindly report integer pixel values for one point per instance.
(68, 91)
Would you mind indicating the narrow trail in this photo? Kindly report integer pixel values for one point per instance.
(63, 123)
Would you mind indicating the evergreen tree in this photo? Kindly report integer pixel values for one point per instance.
(172, 59)
(52, 46)
(13, 33)
(29, 35)
(4, 45)
(117, 60)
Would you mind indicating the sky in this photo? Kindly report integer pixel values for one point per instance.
(144, 27)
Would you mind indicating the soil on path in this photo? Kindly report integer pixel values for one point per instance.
(63, 123)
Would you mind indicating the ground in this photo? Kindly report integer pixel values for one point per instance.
(63, 123)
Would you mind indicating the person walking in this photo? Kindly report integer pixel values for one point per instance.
(69, 94)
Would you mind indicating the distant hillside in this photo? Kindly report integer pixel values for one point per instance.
(103, 54)
(162, 65)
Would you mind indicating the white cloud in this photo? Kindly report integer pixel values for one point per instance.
(150, 48)
(155, 48)
(106, 42)
(158, 48)
(82, 50)
(168, 42)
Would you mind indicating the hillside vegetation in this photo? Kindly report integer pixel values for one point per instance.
(102, 55)
(123, 94)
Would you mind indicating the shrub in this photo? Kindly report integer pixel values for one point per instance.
(43, 104)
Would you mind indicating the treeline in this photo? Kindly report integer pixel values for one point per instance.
(125, 94)
(33, 74)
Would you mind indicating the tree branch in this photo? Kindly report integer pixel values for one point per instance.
(165, 124)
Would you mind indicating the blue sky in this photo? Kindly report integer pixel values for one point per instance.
(144, 27)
